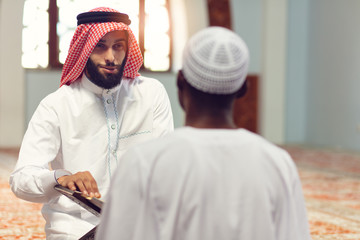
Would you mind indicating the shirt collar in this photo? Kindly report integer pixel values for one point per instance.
(87, 84)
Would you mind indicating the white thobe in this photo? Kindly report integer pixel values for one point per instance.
(197, 184)
(82, 127)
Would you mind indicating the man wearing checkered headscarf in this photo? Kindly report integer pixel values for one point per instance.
(78, 133)
(88, 35)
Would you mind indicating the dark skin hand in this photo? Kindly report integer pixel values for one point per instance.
(83, 181)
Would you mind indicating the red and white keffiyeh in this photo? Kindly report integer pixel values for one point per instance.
(84, 41)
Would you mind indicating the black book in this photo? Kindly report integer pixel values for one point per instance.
(93, 205)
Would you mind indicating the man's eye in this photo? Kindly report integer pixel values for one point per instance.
(100, 45)
(118, 46)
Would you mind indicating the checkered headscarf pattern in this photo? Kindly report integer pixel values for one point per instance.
(85, 39)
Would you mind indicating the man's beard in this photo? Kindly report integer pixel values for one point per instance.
(106, 81)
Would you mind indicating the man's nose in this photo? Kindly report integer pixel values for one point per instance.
(109, 56)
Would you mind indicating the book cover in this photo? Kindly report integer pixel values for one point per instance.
(93, 205)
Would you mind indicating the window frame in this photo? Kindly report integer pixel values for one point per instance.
(53, 43)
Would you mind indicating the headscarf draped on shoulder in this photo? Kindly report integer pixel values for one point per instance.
(92, 26)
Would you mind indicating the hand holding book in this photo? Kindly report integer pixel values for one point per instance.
(91, 204)
(82, 181)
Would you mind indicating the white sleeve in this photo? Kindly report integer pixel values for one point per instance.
(122, 209)
(163, 117)
(300, 208)
(32, 179)
(301, 223)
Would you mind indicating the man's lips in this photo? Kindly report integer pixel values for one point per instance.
(109, 69)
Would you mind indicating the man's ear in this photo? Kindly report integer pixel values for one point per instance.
(242, 91)
(180, 82)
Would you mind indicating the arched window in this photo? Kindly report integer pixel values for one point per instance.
(48, 26)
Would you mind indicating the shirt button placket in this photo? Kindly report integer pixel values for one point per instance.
(112, 125)
(113, 147)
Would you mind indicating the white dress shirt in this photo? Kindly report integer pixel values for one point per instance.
(82, 127)
(202, 184)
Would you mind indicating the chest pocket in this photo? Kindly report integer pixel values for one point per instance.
(131, 139)
(136, 127)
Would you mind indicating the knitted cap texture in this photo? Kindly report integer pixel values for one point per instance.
(216, 61)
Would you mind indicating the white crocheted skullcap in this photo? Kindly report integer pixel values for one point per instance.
(216, 61)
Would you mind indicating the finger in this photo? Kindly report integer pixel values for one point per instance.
(66, 181)
(91, 185)
(96, 190)
(80, 184)
(88, 187)
(87, 181)
(62, 181)
(71, 185)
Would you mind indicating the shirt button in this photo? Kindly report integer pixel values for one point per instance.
(108, 101)
(114, 152)
(113, 126)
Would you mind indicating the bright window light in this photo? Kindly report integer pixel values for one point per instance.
(35, 44)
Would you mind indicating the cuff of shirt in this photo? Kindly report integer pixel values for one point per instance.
(47, 182)
(59, 173)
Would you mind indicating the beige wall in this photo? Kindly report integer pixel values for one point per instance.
(273, 79)
(12, 113)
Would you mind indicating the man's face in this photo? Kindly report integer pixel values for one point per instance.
(106, 62)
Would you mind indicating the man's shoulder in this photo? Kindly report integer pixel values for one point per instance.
(148, 87)
(61, 94)
(143, 81)
(145, 78)
(171, 140)
(187, 137)
(263, 144)
(188, 143)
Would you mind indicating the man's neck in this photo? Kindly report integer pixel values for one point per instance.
(212, 120)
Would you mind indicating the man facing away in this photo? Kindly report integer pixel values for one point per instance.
(207, 180)
(78, 133)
